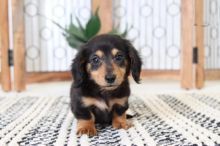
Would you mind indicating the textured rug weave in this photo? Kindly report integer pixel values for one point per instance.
(166, 119)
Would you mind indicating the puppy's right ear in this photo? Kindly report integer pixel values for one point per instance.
(135, 61)
(78, 68)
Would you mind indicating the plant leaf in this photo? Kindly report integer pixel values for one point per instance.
(93, 25)
(72, 30)
(74, 43)
(76, 32)
(80, 24)
(74, 36)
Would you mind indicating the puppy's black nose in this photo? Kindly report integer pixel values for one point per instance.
(110, 78)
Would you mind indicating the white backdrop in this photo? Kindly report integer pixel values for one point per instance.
(155, 31)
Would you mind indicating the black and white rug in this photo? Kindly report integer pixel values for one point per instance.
(166, 120)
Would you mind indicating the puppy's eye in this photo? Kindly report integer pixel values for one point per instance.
(119, 58)
(95, 60)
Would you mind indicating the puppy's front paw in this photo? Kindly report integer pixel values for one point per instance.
(119, 122)
(90, 131)
(119, 125)
(86, 127)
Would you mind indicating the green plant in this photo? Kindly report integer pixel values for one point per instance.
(78, 35)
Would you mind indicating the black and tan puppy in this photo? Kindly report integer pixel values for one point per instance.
(100, 91)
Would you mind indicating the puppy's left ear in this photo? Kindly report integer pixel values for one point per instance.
(135, 61)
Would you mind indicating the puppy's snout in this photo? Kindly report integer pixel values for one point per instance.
(110, 78)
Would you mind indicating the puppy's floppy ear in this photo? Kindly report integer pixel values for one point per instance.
(78, 68)
(135, 61)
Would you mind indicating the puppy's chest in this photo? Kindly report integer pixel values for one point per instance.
(104, 104)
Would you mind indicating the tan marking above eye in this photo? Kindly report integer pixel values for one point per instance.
(89, 101)
(114, 51)
(99, 53)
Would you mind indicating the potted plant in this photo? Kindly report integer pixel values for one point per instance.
(78, 35)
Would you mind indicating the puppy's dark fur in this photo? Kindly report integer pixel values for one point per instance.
(100, 91)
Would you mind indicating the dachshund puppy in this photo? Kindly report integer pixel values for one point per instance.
(100, 91)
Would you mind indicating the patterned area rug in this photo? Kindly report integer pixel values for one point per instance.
(166, 119)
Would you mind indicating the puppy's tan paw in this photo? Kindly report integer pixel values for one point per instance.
(86, 127)
(120, 122)
(119, 125)
(90, 131)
